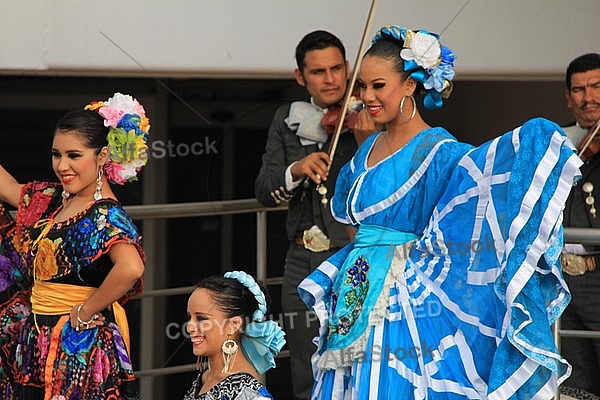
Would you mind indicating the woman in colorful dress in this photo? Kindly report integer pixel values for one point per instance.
(232, 338)
(70, 259)
(453, 281)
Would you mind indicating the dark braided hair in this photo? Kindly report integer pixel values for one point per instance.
(231, 297)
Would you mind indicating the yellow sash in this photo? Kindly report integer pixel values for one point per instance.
(50, 298)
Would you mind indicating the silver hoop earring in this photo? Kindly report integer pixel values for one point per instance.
(98, 193)
(65, 195)
(414, 104)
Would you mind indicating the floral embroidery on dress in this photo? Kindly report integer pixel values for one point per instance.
(37, 203)
(93, 364)
(44, 263)
(101, 222)
(12, 268)
(357, 285)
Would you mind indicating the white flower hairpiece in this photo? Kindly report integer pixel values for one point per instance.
(424, 49)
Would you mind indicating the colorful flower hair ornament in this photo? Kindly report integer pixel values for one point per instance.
(427, 60)
(263, 338)
(127, 136)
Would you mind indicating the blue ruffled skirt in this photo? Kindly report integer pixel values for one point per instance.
(466, 311)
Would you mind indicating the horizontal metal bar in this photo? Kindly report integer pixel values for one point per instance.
(195, 209)
(184, 368)
(579, 334)
(169, 292)
(274, 281)
(165, 370)
(582, 235)
(202, 209)
(227, 207)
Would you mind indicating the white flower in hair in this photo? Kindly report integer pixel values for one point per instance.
(129, 171)
(424, 50)
(124, 103)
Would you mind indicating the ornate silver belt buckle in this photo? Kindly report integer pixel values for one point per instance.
(315, 240)
(573, 264)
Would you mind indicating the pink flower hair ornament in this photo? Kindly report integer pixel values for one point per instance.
(127, 136)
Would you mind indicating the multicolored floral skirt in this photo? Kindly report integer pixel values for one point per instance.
(47, 359)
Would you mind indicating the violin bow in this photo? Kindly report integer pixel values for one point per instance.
(338, 130)
(592, 136)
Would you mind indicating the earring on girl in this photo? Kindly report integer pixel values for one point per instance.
(202, 364)
(587, 188)
(414, 104)
(65, 195)
(98, 193)
(229, 350)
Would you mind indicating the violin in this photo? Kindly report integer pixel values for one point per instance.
(332, 117)
(590, 145)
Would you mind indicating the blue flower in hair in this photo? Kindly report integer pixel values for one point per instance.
(131, 122)
(442, 73)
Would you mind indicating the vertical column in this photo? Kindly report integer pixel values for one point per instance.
(227, 141)
(154, 241)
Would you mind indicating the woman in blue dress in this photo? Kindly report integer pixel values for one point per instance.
(452, 283)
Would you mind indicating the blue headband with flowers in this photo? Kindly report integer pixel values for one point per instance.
(262, 339)
(427, 60)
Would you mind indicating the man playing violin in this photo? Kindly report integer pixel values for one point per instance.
(581, 263)
(295, 162)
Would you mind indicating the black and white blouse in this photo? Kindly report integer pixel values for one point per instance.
(240, 386)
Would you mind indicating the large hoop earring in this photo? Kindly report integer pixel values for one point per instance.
(229, 349)
(414, 104)
(98, 193)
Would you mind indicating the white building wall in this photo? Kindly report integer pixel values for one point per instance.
(256, 38)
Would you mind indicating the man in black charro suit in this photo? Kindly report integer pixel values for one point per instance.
(581, 264)
(295, 161)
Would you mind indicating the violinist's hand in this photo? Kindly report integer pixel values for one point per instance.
(364, 127)
(315, 166)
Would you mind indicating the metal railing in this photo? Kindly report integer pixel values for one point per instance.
(214, 208)
(231, 207)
